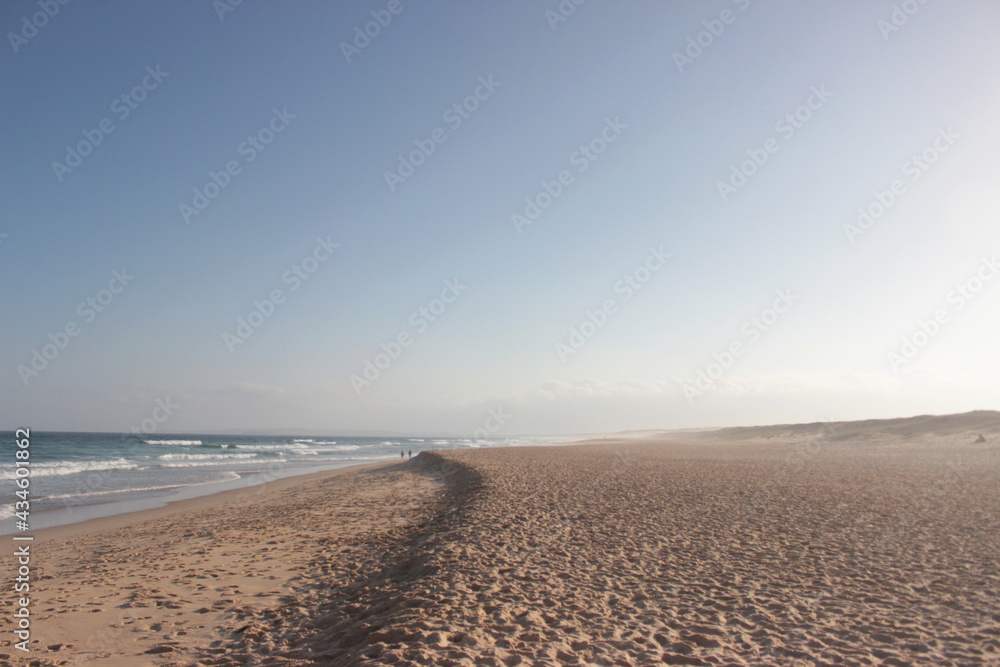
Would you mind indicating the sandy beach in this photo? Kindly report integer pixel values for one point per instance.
(863, 544)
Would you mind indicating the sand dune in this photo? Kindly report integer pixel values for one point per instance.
(779, 549)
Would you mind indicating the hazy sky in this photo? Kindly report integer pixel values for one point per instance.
(622, 216)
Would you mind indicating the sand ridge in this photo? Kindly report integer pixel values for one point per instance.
(653, 555)
(192, 587)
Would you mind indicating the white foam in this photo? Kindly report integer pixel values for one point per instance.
(56, 468)
(217, 462)
(107, 492)
(277, 447)
(203, 457)
(173, 442)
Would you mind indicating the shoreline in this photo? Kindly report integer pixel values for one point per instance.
(66, 507)
(133, 589)
(109, 516)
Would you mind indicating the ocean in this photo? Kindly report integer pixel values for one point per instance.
(77, 476)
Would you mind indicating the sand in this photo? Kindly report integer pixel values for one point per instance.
(786, 547)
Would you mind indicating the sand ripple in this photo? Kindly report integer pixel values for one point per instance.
(799, 550)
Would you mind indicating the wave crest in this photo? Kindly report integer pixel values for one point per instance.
(173, 442)
(57, 468)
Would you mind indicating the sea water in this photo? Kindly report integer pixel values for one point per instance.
(121, 473)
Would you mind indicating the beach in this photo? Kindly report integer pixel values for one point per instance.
(807, 545)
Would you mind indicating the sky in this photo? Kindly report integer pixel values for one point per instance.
(524, 217)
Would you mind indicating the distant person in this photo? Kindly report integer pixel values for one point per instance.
(411, 453)
(402, 454)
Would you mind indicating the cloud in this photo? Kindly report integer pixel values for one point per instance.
(254, 390)
(596, 388)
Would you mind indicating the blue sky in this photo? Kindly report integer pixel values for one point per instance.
(641, 126)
